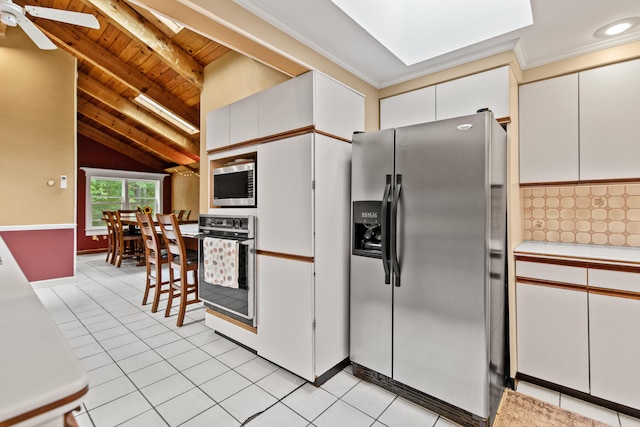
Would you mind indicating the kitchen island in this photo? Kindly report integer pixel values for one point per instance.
(41, 379)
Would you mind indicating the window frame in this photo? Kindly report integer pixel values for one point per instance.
(117, 174)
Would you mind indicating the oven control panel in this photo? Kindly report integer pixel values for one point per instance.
(216, 224)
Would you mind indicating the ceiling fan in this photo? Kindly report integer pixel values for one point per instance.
(11, 15)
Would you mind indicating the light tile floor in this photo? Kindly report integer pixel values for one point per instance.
(145, 371)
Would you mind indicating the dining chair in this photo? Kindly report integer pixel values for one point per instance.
(185, 215)
(156, 256)
(183, 260)
(128, 245)
(111, 241)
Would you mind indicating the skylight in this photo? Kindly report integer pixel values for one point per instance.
(417, 30)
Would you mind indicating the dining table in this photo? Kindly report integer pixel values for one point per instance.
(188, 229)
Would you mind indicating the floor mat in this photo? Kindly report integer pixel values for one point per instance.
(517, 409)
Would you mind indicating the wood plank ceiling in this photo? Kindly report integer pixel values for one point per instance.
(134, 52)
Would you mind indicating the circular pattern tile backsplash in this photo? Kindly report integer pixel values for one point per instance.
(598, 214)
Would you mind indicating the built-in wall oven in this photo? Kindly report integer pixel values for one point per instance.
(226, 281)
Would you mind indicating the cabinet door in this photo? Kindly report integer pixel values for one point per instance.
(609, 111)
(285, 314)
(552, 333)
(285, 196)
(465, 96)
(218, 128)
(615, 349)
(286, 106)
(549, 130)
(411, 108)
(243, 120)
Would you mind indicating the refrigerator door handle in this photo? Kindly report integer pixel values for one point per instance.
(394, 228)
(383, 231)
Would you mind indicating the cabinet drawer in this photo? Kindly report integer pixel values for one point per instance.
(613, 279)
(552, 272)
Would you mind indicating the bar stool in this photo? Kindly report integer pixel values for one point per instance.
(183, 260)
(111, 239)
(127, 245)
(154, 255)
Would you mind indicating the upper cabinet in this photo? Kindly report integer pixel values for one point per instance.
(286, 106)
(243, 120)
(609, 109)
(417, 106)
(454, 98)
(311, 99)
(549, 130)
(467, 95)
(581, 127)
(218, 128)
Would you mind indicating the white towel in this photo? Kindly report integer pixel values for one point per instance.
(220, 262)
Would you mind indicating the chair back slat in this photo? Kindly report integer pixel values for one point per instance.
(172, 236)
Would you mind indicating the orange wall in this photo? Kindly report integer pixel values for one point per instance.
(38, 140)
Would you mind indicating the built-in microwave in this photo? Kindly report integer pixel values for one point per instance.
(235, 185)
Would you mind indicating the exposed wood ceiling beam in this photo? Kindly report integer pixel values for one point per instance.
(130, 22)
(76, 43)
(97, 90)
(135, 135)
(119, 146)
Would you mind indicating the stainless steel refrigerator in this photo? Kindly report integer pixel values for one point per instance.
(427, 265)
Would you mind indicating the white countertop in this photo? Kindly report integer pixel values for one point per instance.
(594, 253)
(38, 368)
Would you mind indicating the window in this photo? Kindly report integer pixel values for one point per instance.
(112, 190)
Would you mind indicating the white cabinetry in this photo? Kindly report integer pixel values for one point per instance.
(243, 120)
(285, 307)
(609, 111)
(285, 196)
(549, 130)
(467, 95)
(613, 332)
(553, 342)
(582, 126)
(578, 311)
(218, 128)
(303, 241)
(287, 106)
(311, 99)
(298, 134)
(461, 97)
(417, 106)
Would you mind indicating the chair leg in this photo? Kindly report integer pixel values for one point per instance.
(167, 312)
(158, 288)
(147, 286)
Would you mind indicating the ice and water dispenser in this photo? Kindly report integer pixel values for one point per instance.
(367, 228)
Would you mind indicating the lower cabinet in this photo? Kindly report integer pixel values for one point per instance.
(285, 313)
(577, 326)
(615, 349)
(553, 341)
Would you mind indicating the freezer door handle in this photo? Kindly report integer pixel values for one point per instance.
(383, 231)
(394, 228)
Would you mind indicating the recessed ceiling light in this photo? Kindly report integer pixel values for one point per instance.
(417, 30)
(618, 27)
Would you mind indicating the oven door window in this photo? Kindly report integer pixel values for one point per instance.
(237, 300)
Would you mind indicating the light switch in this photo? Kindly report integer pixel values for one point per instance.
(63, 181)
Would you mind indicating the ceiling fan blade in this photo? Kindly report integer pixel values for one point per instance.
(38, 37)
(69, 17)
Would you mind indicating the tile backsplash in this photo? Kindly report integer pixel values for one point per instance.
(599, 214)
